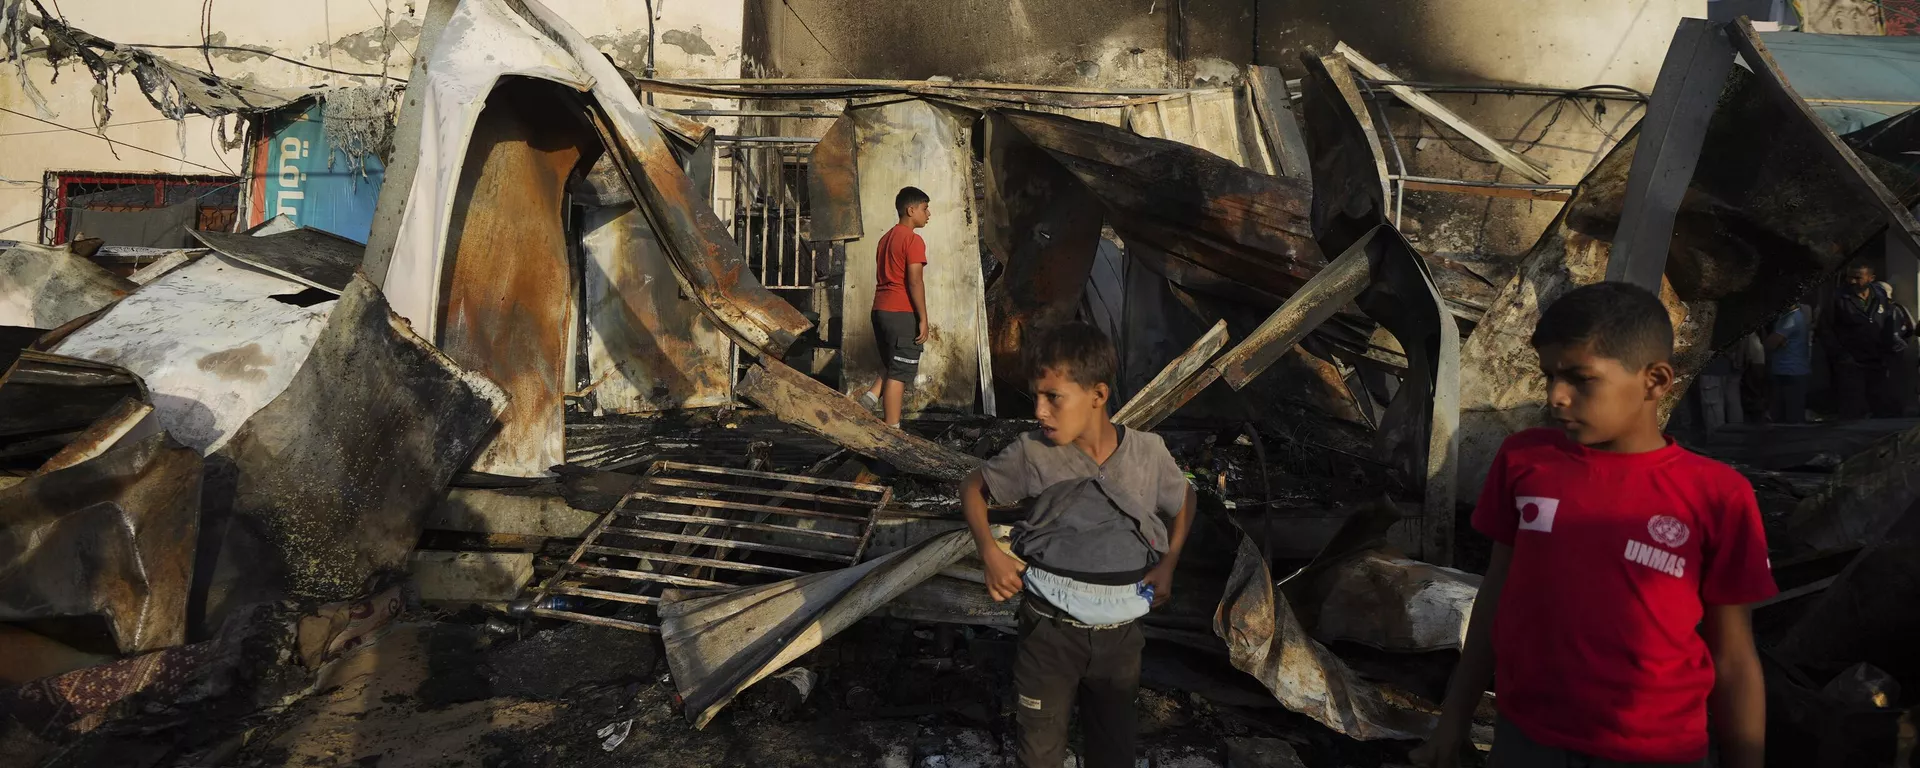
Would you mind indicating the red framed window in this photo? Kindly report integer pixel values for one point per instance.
(66, 191)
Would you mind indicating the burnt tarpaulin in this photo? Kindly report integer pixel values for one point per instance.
(1868, 614)
(112, 537)
(1043, 225)
(334, 478)
(315, 257)
(718, 645)
(1767, 214)
(145, 228)
(44, 287)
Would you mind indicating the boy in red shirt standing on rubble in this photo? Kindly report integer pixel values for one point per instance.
(1614, 616)
(899, 304)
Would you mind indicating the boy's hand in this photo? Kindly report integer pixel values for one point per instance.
(1003, 574)
(1161, 577)
(921, 337)
(1440, 750)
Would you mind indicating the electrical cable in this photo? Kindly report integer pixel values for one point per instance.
(259, 52)
(112, 141)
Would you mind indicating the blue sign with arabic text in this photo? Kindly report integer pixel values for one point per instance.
(308, 180)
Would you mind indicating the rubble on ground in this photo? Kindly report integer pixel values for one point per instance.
(444, 499)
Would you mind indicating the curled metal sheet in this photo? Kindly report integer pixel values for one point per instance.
(112, 537)
(44, 287)
(315, 257)
(46, 401)
(334, 478)
(717, 646)
(649, 348)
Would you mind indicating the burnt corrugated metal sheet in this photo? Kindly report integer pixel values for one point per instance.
(315, 257)
(833, 185)
(649, 348)
(1043, 224)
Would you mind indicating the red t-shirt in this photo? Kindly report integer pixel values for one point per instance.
(1615, 556)
(898, 248)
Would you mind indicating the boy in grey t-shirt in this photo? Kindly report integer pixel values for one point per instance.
(1097, 547)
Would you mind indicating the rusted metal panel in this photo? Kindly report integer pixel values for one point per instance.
(335, 477)
(113, 537)
(1274, 105)
(649, 348)
(211, 341)
(833, 185)
(44, 287)
(795, 399)
(509, 306)
(1043, 224)
(315, 257)
(920, 144)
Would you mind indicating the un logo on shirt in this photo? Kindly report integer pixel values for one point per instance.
(1668, 530)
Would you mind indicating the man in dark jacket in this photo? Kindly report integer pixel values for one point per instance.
(1860, 334)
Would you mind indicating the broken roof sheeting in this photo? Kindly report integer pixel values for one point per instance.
(485, 40)
(337, 474)
(44, 287)
(312, 256)
(719, 645)
(1851, 81)
(211, 341)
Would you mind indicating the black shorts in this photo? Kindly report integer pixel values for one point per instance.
(894, 332)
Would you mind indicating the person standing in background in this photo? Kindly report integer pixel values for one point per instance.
(1859, 333)
(899, 305)
(1790, 363)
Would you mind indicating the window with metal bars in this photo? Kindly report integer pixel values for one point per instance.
(67, 191)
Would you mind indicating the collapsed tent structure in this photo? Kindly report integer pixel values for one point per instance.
(557, 385)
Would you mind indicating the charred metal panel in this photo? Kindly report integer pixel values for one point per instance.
(1246, 231)
(334, 478)
(649, 348)
(112, 537)
(1349, 192)
(46, 399)
(1676, 123)
(315, 257)
(1044, 226)
(211, 340)
(508, 306)
(833, 185)
(920, 144)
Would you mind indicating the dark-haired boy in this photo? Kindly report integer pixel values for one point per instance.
(899, 304)
(1097, 553)
(1612, 545)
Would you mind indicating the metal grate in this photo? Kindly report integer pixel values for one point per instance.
(770, 209)
(710, 528)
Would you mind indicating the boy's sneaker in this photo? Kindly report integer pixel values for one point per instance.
(868, 401)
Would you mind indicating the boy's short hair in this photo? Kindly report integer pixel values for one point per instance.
(1621, 320)
(909, 196)
(1077, 350)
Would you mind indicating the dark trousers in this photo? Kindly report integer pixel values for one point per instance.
(1055, 661)
(1864, 388)
(1512, 749)
(1790, 399)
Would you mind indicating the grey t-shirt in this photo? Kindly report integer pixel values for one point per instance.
(1089, 518)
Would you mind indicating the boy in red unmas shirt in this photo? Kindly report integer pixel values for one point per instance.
(1614, 616)
(899, 304)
